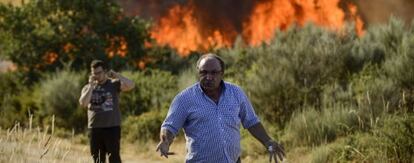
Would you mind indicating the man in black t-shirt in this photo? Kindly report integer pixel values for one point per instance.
(101, 97)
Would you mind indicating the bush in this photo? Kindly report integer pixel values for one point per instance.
(45, 35)
(292, 70)
(153, 89)
(58, 95)
(187, 78)
(391, 141)
(143, 128)
(16, 102)
(375, 93)
(388, 54)
(397, 138)
(312, 127)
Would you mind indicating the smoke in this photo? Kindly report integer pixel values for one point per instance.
(379, 11)
(212, 14)
(150, 9)
(219, 13)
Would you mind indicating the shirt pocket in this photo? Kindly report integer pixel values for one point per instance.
(231, 115)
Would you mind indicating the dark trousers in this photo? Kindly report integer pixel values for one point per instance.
(238, 160)
(105, 141)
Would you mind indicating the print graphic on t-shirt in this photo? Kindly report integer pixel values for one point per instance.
(101, 101)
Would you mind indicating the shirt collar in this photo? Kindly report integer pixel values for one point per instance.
(222, 84)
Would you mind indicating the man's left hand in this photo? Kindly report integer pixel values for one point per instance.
(275, 150)
(112, 74)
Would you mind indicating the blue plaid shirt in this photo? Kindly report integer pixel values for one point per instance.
(212, 130)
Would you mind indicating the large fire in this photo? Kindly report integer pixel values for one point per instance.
(189, 27)
(182, 31)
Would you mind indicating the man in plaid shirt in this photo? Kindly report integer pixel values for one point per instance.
(210, 112)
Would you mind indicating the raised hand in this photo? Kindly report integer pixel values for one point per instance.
(112, 74)
(92, 81)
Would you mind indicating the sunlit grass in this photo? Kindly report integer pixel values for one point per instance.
(27, 144)
(13, 2)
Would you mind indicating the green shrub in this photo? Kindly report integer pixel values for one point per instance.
(312, 127)
(75, 31)
(292, 70)
(142, 128)
(375, 93)
(16, 102)
(153, 89)
(58, 95)
(187, 78)
(391, 140)
(389, 49)
(397, 138)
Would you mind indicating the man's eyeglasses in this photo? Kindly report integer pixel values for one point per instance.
(98, 73)
(214, 73)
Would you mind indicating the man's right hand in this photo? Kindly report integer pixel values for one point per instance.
(166, 138)
(163, 147)
(92, 81)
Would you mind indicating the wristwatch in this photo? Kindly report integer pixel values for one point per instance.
(269, 145)
(270, 148)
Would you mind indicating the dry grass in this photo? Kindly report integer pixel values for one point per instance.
(24, 144)
(35, 144)
(27, 144)
(13, 2)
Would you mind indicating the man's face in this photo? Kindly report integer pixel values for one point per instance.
(98, 74)
(210, 74)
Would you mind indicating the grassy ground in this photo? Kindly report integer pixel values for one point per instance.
(34, 145)
(14, 2)
(26, 144)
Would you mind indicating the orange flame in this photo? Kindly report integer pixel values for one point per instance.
(50, 57)
(142, 63)
(181, 30)
(359, 24)
(117, 46)
(68, 47)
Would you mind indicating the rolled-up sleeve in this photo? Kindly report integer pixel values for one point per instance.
(176, 116)
(247, 115)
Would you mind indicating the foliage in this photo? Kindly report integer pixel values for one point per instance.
(58, 95)
(291, 71)
(390, 141)
(45, 35)
(144, 127)
(153, 89)
(16, 102)
(312, 127)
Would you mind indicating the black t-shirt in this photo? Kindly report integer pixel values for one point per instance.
(103, 109)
